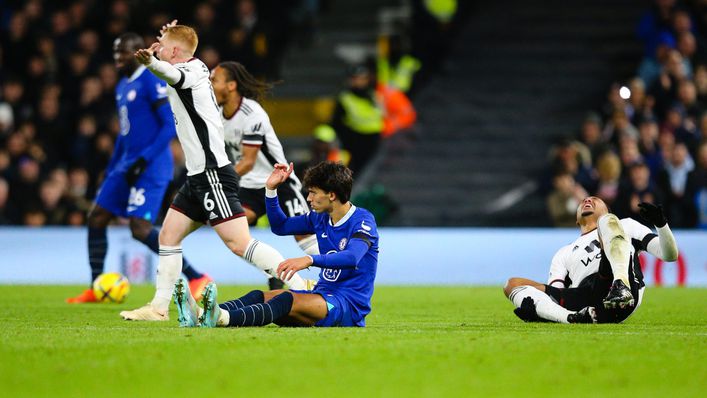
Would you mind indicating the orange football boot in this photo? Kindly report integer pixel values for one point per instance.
(197, 286)
(86, 297)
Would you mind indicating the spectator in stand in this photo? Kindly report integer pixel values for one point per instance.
(697, 185)
(6, 208)
(672, 181)
(609, 172)
(701, 85)
(591, 136)
(565, 157)
(656, 20)
(648, 146)
(358, 118)
(651, 66)
(641, 104)
(638, 188)
(618, 127)
(683, 128)
(562, 202)
(666, 87)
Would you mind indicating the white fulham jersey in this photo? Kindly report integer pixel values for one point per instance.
(196, 116)
(581, 258)
(250, 125)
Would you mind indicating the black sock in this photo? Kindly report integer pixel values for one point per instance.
(97, 248)
(262, 314)
(253, 297)
(152, 241)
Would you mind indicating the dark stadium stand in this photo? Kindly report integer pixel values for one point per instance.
(520, 74)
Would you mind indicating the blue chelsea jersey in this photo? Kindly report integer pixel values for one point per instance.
(353, 284)
(146, 125)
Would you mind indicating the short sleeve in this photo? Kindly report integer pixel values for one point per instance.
(191, 73)
(254, 133)
(365, 229)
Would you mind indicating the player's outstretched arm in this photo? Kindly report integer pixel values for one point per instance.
(280, 224)
(163, 70)
(665, 248)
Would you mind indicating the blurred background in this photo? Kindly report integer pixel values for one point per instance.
(502, 113)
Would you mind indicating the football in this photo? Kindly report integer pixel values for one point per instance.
(111, 287)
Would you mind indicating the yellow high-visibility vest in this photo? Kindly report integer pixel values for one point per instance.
(361, 115)
(443, 10)
(401, 75)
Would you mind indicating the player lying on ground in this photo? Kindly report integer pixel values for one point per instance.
(140, 169)
(346, 233)
(210, 193)
(598, 277)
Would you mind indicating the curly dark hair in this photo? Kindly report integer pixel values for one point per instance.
(248, 85)
(330, 177)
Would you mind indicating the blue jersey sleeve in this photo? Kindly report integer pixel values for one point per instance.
(348, 258)
(280, 224)
(157, 95)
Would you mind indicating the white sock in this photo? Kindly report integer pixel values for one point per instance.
(265, 258)
(545, 306)
(309, 245)
(168, 270)
(617, 247)
(223, 318)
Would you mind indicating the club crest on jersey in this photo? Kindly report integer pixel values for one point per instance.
(131, 95)
(161, 90)
(342, 244)
(331, 275)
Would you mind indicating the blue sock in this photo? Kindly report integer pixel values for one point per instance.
(262, 314)
(97, 248)
(152, 241)
(254, 297)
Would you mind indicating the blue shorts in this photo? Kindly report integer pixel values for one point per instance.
(144, 200)
(339, 310)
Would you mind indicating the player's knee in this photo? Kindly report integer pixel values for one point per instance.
(98, 218)
(237, 247)
(511, 284)
(168, 238)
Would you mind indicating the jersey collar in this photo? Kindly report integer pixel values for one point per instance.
(137, 73)
(345, 217)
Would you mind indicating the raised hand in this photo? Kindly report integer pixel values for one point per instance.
(279, 175)
(144, 55)
(164, 28)
(652, 213)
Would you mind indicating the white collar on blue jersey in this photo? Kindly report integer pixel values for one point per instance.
(137, 73)
(345, 217)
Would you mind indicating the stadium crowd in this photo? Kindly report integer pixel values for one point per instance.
(58, 121)
(648, 142)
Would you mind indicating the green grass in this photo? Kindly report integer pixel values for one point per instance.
(420, 341)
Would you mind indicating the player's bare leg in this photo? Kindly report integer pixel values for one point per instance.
(143, 231)
(617, 250)
(175, 228)
(236, 236)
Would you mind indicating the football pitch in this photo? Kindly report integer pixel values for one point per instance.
(420, 341)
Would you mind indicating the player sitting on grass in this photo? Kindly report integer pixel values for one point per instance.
(602, 266)
(346, 233)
